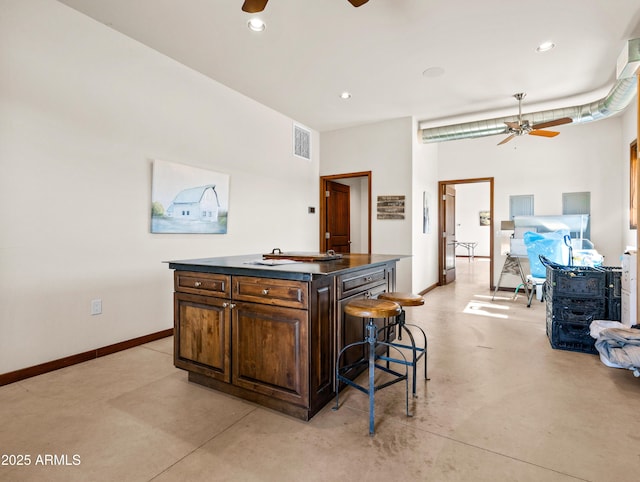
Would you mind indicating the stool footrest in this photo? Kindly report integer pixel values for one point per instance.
(398, 377)
(422, 351)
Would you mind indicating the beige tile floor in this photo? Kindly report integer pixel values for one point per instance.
(501, 405)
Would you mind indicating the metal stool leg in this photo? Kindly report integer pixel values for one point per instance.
(415, 357)
(371, 339)
(372, 342)
(414, 352)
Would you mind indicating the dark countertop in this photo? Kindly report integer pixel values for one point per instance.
(303, 271)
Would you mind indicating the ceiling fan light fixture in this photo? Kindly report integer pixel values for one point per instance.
(256, 24)
(545, 46)
(345, 95)
(522, 127)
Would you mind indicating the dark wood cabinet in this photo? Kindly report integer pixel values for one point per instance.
(268, 338)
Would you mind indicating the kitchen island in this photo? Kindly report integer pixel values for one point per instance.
(269, 333)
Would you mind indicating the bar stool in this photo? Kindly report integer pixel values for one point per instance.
(372, 309)
(409, 299)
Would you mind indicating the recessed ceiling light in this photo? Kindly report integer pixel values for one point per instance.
(345, 95)
(433, 72)
(256, 24)
(545, 46)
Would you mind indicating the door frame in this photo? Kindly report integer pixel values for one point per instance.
(441, 225)
(323, 205)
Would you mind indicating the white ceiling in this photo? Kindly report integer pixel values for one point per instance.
(312, 50)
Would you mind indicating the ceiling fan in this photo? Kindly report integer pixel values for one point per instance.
(523, 127)
(255, 6)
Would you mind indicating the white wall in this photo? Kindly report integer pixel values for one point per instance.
(584, 157)
(385, 148)
(83, 111)
(470, 200)
(425, 245)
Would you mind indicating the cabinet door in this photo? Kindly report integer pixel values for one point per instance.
(202, 335)
(271, 351)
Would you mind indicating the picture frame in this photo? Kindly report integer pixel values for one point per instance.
(426, 221)
(391, 207)
(188, 200)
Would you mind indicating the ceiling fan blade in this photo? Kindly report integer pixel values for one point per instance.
(557, 122)
(358, 3)
(254, 6)
(506, 139)
(538, 132)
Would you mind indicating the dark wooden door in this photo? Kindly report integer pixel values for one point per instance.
(338, 217)
(449, 235)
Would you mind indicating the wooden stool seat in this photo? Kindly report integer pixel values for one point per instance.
(372, 308)
(403, 299)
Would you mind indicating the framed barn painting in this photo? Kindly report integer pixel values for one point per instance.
(187, 199)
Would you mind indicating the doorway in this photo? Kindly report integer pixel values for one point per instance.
(447, 227)
(357, 217)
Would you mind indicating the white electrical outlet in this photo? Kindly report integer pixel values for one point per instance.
(96, 307)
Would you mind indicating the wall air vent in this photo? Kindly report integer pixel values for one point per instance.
(301, 142)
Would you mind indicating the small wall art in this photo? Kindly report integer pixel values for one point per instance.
(186, 199)
(426, 201)
(390, 207)
(485, 218)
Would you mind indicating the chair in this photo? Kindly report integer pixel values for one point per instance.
(417, 352)
(371, 309)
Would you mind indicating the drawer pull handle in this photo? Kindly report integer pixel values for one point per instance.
(265, 291)
(197, 284)
(368, 278)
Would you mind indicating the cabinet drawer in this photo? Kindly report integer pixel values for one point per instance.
(292, 294)
(208, 284)
(357, 281)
